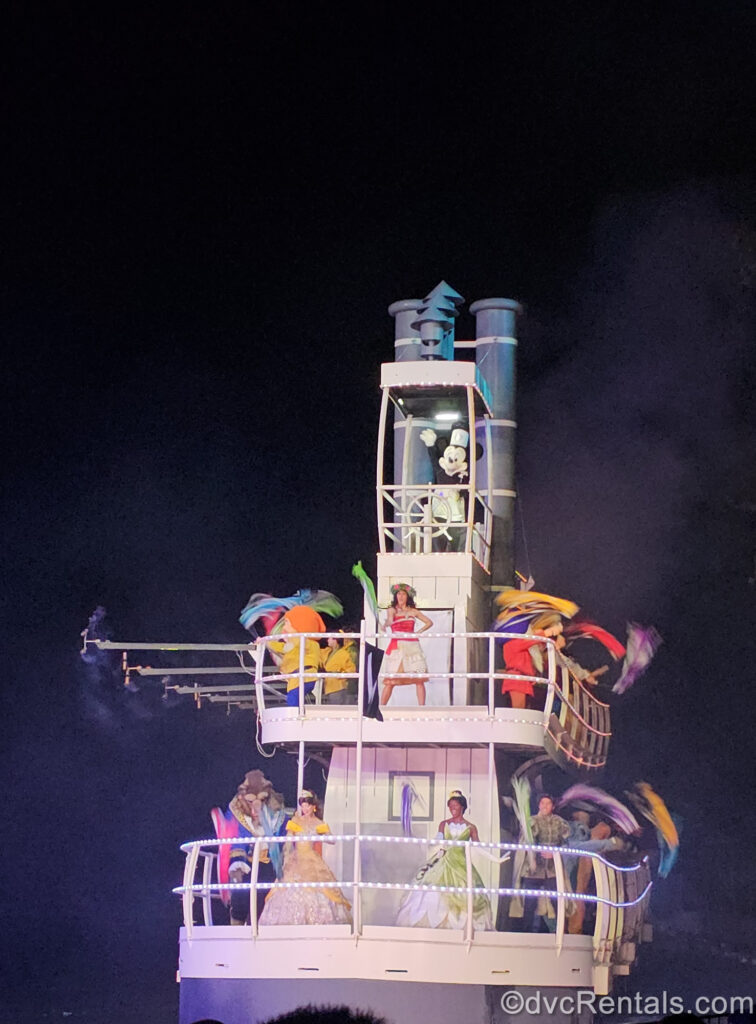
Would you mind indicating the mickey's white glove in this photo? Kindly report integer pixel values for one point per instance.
(428, 437)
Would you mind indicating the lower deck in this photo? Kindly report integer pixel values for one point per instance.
(479, 951)
(390, 953)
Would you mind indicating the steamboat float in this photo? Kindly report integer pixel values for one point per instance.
(389, 777)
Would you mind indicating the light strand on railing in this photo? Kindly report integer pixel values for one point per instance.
(484, 717)
(329, 838)
(409, 887)
(480, 719)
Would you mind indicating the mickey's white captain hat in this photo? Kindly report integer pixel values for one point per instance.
(459, 438)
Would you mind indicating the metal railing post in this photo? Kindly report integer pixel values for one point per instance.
(493, 797)
(470, 900)
(404, 531)
(614, 915)
(382, 416)
(190, 868)
(600, 929)
(207, 870)
(300, 770)
(560, 883)
(357, 866)
(551, 656)
(356, 889)
(491, 672)
(428, 523)
(253, 886)
(259, 656)
(473, 462)
(301, 675)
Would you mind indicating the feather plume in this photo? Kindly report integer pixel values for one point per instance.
(258, 607)
(262, 606)
(648, 803)
(589, 630)
(521, 808)
(522, 609)
(273, 625)
(529, 599)
(367, 585)
(653, 808)
(515, 621)
(668, 854)
(608, 805)
(642, 644)
(270, 619)
(322, 601)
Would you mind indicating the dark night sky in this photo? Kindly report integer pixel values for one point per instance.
(204, 218)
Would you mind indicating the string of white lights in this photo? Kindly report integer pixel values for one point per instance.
(480, 719)
(407, 887)
(412, 840)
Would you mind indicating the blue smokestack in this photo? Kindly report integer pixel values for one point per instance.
(495, 356)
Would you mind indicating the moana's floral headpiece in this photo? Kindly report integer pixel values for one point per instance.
(406, 588)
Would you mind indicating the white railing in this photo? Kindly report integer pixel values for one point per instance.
(272, 686)
(620, 900)
(576, 724)
(423, 518)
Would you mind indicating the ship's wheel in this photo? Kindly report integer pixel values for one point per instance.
(435, 515)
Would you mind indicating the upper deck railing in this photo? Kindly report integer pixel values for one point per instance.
(569, 720)
(619, 899)
(423, 519)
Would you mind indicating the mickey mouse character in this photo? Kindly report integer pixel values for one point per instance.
(448, 504)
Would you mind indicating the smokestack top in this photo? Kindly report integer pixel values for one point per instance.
(484, 304)
(403, 305)
(495, 318)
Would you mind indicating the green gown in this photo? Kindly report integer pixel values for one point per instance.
(426, 909)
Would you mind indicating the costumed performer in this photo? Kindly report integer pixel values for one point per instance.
(638, 652)
(340, 655)
(404, 653)
(546, 829)
(256, 810)
(599, 840)
(533, 615)
(298, 614)
(427, 909)
(666, 824)
(303, 862)
(614, 815)
(582, 674)
(588, 631)
(449, 504)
